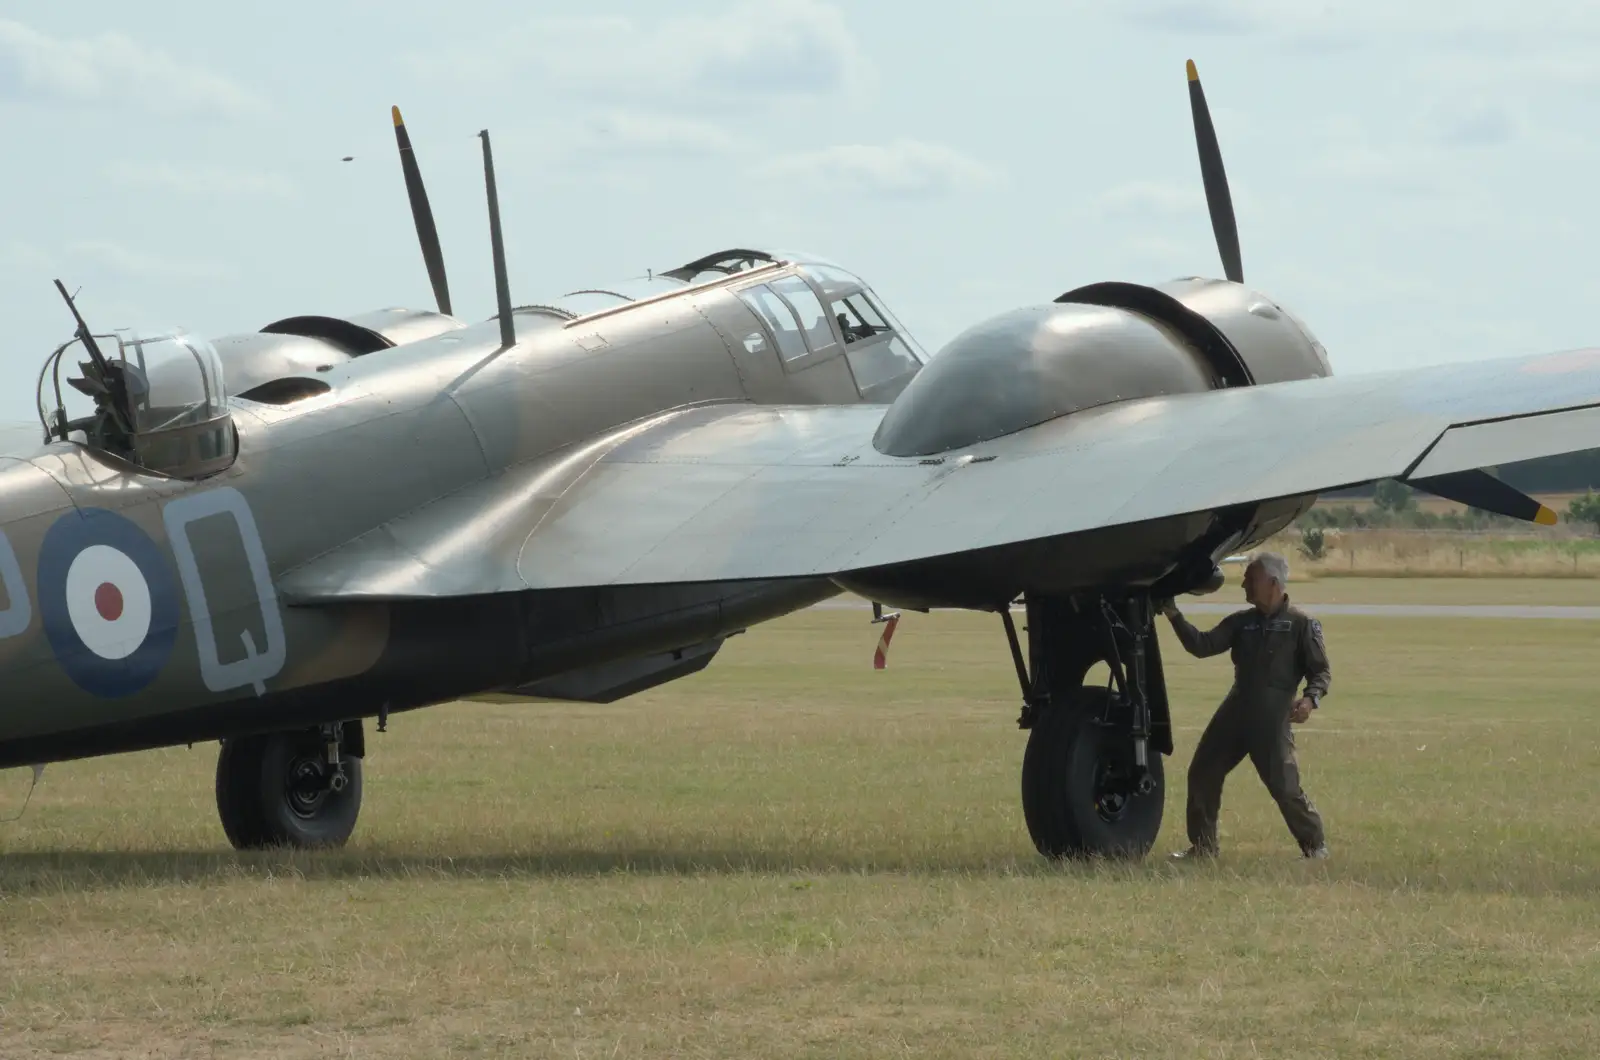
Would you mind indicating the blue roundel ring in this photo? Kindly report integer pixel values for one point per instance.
(63, 543)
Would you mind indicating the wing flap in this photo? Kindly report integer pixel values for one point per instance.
(1508, 441)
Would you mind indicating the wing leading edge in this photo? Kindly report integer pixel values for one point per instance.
(738, 492)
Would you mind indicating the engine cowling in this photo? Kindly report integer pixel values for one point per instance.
(1096, 345)
(300, 345)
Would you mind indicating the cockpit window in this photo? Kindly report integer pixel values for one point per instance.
(808, 308)
(838, 284)
(879, 359)
(832, 280)
(173, 381)
(858, 318)
(779, 317)
(156, 400)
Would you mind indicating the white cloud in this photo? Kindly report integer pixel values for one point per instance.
(1473, 25)
(23, 257)
(200, 180)
(901, 169)
(1146, 197)
(753, 48)
(111, 69)
(635, 133)
(121, 261)
(1473, 124)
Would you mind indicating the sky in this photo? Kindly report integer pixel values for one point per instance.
(1416, 182)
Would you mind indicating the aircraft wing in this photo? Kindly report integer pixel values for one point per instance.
(727, 492)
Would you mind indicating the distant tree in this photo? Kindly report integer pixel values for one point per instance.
(1585, 509)
(1313, 543)
(1393, 496)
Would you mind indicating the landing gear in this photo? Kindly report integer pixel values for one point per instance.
(1092, 778)
(291, 789)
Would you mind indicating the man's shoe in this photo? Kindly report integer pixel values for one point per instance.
(1319, 854)
(1193, 853)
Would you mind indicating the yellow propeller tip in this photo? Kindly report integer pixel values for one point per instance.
(1194, 75)
(396, 112)
(1546, 517)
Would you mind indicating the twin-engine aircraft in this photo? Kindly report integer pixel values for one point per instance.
(272, 538)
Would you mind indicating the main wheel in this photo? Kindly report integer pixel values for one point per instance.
(277, 789)
(1078, 795)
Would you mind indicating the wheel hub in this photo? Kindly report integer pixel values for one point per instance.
(308, 786)
(1112, 790)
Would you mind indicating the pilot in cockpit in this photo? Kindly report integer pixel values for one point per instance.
(851, 332)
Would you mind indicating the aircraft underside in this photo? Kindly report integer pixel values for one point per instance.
(289, 770)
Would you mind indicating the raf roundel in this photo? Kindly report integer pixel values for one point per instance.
(108, 601)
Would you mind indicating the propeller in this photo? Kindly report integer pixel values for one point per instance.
(1475, 488)
(427, 234)
(1218, 201)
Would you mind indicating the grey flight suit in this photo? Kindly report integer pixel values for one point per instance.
(1271, 654)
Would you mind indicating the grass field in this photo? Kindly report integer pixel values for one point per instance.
(1567, 551)
(791, 855)
(1557, 501)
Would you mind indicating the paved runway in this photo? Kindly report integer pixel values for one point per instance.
(1375, 610)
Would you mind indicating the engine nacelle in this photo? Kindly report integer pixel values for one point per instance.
(1093, 346)
(299, 346)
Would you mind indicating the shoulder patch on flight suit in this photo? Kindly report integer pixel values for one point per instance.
(1316, 631)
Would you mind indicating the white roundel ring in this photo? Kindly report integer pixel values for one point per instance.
(108, 601)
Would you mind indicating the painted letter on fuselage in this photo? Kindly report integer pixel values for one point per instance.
(258, 664)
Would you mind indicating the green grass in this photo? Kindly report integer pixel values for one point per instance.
(792, 855)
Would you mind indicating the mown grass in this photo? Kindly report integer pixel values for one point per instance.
(793, 855)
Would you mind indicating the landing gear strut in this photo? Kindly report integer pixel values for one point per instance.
(1092, 776)
(295, 789)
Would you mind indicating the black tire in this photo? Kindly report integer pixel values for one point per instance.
(1071, 801)
(238, 762)
(272, 792)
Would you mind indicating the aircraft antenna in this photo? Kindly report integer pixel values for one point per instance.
(502, 286)
(422, 214)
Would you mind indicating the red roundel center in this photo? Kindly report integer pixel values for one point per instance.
(108, 601)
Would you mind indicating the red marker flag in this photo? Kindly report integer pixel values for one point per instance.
(880, 658)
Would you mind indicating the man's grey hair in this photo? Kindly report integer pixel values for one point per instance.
(1274, 565)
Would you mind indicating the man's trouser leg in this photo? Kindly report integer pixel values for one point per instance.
(1222, 746)
(1273, 756)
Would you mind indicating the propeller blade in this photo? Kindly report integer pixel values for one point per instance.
(1479, 489)
(427, 234)
(1218, 200)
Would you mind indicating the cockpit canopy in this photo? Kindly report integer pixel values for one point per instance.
(809, 307)
(154, 399)
(816, 306)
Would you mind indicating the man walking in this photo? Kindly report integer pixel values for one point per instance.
(1274, 646)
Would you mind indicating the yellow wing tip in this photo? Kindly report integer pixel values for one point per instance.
(1546, 517)
(1194, 75)
(396, 112)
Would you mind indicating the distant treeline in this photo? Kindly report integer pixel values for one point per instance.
(1573, 473)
